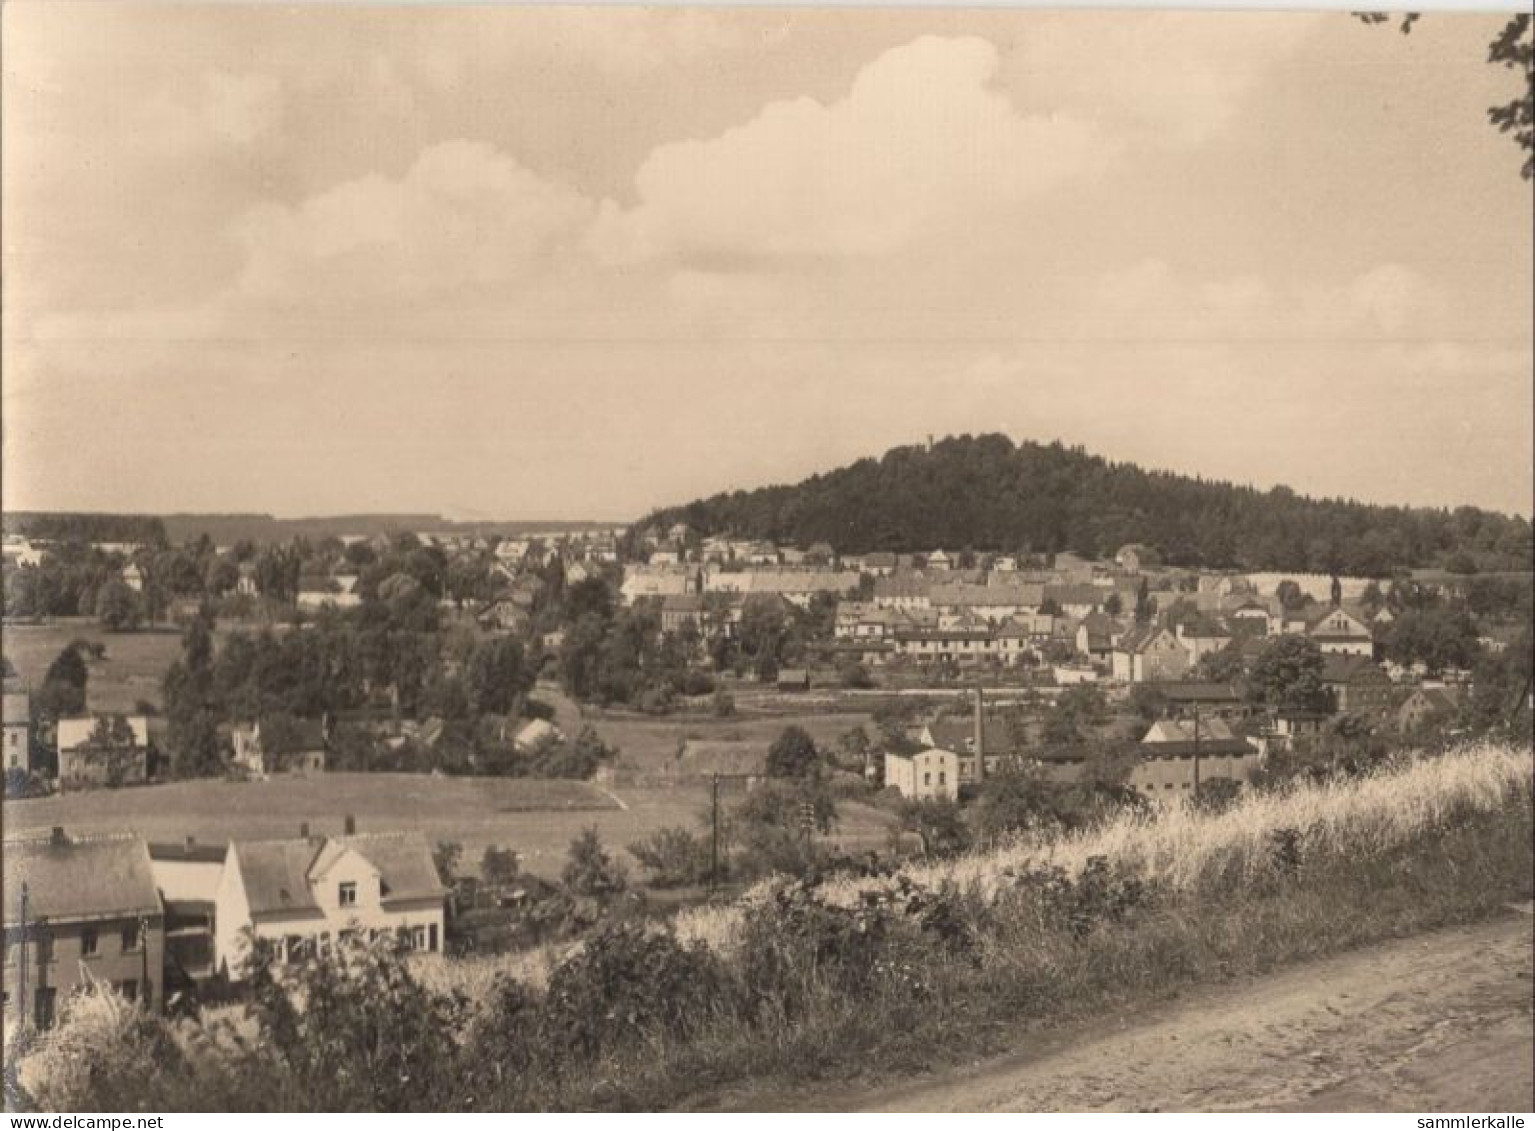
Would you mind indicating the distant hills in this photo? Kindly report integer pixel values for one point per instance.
(988, 493)
(226, 529)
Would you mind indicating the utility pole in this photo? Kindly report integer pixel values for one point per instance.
(21, 964)
(1196, 751)
(714, 824)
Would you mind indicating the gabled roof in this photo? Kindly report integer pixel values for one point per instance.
(277, 873)
(87, 878)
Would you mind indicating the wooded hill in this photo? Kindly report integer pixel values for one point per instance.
(987, 493)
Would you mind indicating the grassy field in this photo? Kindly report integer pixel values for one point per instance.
(650, 744)
(133, 668)
(536, 818)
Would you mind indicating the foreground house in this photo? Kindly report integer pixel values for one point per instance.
(79, 910)
(1148, 653)
(305, 894)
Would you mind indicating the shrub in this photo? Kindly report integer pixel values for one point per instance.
(723, 703)
(675, 856)
(590, 871)
(629, 983)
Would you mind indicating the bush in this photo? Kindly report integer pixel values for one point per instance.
(675, 856)
(590, 871)
(696, 682)
(630, 983)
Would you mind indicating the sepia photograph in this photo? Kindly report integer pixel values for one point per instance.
(745, 559)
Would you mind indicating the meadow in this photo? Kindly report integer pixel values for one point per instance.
(538, 818)
(131, 671)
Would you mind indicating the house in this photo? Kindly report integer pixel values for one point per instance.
(1252, 617)
(339, 592)
(79, 910)
(1096, 636)
(881, 563)
(1072, 569)
(678, 610)
(304, 748)
(187, 876)
(504, 614)
(133, 577)
(903, 591)
(304, 895)
(536, 733)
(84, 761)
(793, 679)
(1183, 697)
(17, 741)
(1149, 653)
(1339, 632)
(1201, 634)
(647, 581)
(1175, 755)
(1357, 683)
(1134, 557)
(938, 560)
(20, 551)
(246, 585)
(923, 774)
(1077, 599)
(1425, 706)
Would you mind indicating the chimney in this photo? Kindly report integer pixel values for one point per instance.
(303, 830)
(58, 839)
(351, 825)
(980, 734)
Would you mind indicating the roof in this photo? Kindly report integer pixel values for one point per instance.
(86, 878)
(681, 603)
(189, 852)
(277, 873)
(18, 708)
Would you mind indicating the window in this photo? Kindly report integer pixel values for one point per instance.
(88, 943)
(130, 938)
(942, 775)
(927, 779)
(431, 937)
(130, 989)
(347, 895)
(43, 1007)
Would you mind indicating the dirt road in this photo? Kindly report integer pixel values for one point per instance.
(1441, 1022)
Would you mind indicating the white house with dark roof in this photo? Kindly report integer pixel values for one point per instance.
(304, 895)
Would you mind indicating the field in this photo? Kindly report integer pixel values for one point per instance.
(649, 744)
(134, 666)
(537, 818)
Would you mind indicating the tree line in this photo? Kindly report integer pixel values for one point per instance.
(988, 493)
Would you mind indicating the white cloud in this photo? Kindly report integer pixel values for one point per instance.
(921, 145)
(1169, 77)
(464, 215)
(1157, 301)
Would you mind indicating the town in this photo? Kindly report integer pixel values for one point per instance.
(957, 674)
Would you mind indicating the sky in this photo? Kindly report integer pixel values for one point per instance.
(503, 262)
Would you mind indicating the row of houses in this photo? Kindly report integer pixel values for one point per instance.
(151, 920)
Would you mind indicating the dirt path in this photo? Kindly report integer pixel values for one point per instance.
(1441, 1022)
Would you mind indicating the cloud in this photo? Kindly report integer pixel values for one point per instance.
(1155, 300)
(922, 144)
(464, 216)
(1171, 78)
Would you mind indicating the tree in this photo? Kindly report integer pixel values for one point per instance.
(1224, 665)
(498, 865)
(1113, 604)
(63, 690)
(118, 607)
(1439, 637)
(1291, 596)
(1287, 675)
(590, 871)
(1514, 49)
(793, 754)
(112, 746)
(446, 855)
(939, 824)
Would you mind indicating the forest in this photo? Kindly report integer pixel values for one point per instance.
(988, 493)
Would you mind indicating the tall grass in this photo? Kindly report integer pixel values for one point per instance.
(950, 959)
(1180, 849)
